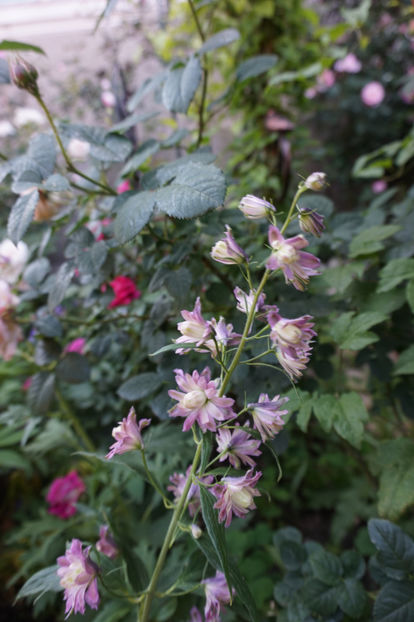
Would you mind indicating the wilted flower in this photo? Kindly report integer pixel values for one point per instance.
(227, 250)
(45, 208)
(349, 64)
(217, 594)
(64, 493)
(128, 434)
(178, 482)
(125, 291)
(235, 496)
(372, 94)
(24, 75)
(194, 329)
(12, 260)
(255, 208)
(77, 575)
(237, 446)
(245, 301)
(310, 221)
(315, 181)
(199, 400)
(106, 544)
(267, 415)
(296, 265)
(77, 345)
(78, 149)
(10, 335)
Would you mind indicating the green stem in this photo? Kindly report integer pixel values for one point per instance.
(77, 426)
(201, 109)
(153, 482)
(67, 159)
(300, 191)
(143, 615)
(197, 21)
(2, 157)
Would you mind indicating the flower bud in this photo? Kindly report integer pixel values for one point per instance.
(45, 209)
(255, 208)
(311, 222)
(24, 75)
(196, 531)
(227, 250)
(315, 181)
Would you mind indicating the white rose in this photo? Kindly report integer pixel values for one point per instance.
(12, 260)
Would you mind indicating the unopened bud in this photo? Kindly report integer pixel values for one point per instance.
(255, 208)
(24, 75)
(315, 181)
(311, 222)
(196, 531)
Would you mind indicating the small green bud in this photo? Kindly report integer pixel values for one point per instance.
(24, 75)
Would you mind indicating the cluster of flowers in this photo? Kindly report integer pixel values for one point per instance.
(201, 402)
(12, 262)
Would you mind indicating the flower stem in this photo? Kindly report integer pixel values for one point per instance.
(144, 611)
(152, 481)
(67, 159)
(300, 191)
(77, 426)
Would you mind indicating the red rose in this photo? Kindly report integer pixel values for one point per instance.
(125, 291)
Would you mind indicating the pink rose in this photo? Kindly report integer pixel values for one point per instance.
(125, 291)
(64, 493)
(372, 94)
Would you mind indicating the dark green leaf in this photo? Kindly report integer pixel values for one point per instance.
(405, 363)
(36, 272)
(396, 271)
(178, 284)
(396, 549)
(18, 46)
(140, 386)
(352, 598)
(326, 567)
(220, 39)
(11, 459)
(56, 183)
(395, 602)
(321, 598)
(60, 284)
(73, 368)
(134, 215)
(396, 490)
(45, 580)
(145, 151)
(371, 240)
(255, 66)
(190, 80)
(353, 564)
(150, 84)
(21, 215)
(41, 392)
(293, 554)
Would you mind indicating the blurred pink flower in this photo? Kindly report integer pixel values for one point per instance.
(106, 544)
(108, 99)
(325, 80)
(124, 186)
(349, 64)
(372, 94)
(178, 482)
(27, 383)
(128, 434)
(77, 575)
(217, 594)
(77, 345)
(125, 291)
(64, 493)
(379, 186)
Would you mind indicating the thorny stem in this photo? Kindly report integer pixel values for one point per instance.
(67, 159)
(77, 426)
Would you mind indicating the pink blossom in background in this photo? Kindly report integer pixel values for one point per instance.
(325, 80)
(349, 64)
(106, 544)
(372, 94)
(199, 401)
(245, 301)
(195, 615)
(124, 186)
(128, 434)
(217, 594)
(125, 291)
(12, 260)
(235, 496)
(108, 99)
(8, 300)
(379, 186)
(77, 575)
(296, 265)
(77, 345)
(311, 92)
(64, 493)
(267, 415)
(27, 383)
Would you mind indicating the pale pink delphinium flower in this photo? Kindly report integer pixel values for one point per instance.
(13, 259)
(237, 446)
(255, 208)
(195, 615)
(199, 400)
(315, 181)
(296, 265)
(77, 575)
(349, 64)
(124, 186)
(217, 594)
(106, 544)
(379, 186)
(128, 434)
(77, 345)
(223, 333)
(178, 482)
(292, 337)
(64, 493)
(235, 496)
(372, 94)
(267, 415)
(194, 329)
(227, 250)
(245, 301)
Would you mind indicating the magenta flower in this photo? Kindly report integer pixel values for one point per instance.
(378, 186)
(310, 221)
(245, 301)
(267, 415)
(237, 446)
(77, 345)
(296, 265)
(199, 400)
(178, 482)
(255, 208)
(235, 496)
(217, 594)
(106, 544)
(194, 329)
(128, 434)
(372, 94)
(77, 575)
(63, 494)
(124, 186)
(227, 250)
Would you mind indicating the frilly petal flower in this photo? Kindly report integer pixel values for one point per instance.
(64, 493)
(77, 575)
(227, 250)
(245, 301)
(194, 329)
(106, 544)
(178, 482)
(237, 446)
(267, 415)
(235, 496)
(128, 434)
(296, 265)
(217, 594)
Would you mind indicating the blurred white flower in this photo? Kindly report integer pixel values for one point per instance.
(6, 129)
(23, 116)
(12, 260)
(108, 99)
(78, 149)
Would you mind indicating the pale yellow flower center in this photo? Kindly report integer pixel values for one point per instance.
(287, 254)
(194, 399)
(241, 497)
(220, 250)
(288, 332)
(71, 574)
(192, 329)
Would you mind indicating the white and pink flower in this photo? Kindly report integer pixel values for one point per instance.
(237, 446)
(128, 434)
(12, 260)
(267, 415)
(245, 301)
(77, 575)
(235, 496)
(194, 329)
(227, 250)
(217, 594)
(296, 265)
(255, 208)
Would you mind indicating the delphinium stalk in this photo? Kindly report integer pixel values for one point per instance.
(201, 400)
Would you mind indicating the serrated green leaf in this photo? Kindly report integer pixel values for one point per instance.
(395, 602)
(73, 368)
(405, 363)
(293, 554)
(220, 39)
(178, 284)
(410, 294)
(349, 419)
(326, 567)
(41, 392)
(60, 284)
(396, 271)
(353, 564)
(255, 66)
(352, 598)
(320, 598)
(396, 489)
(326, 408)
(140, 386)
(18, 46)
(56, 183)
(133, 215)
(396, 548)
(104, 145)
(370, 240)
(21, 215)
(144, 151)
(215, 531)
(190, 80)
